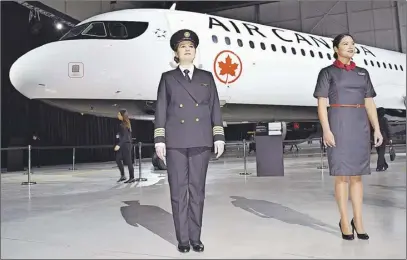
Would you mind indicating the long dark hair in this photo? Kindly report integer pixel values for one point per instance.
(126, 120)
(338, 40)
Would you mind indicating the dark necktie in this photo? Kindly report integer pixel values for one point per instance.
(187, 75)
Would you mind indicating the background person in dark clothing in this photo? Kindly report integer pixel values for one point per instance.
(124, 147)
(381, 150)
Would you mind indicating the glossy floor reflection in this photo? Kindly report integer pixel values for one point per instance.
(86, 214)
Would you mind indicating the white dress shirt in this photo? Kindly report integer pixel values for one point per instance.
(190, 68)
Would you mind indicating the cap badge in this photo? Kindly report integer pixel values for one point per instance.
(186, 34)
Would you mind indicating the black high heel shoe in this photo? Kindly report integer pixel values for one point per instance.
(364, 236)
(346, 237)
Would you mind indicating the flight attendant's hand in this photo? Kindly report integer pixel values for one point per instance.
(329, 139)
(116, 148)
(160, 151)
(219, 148)
(378, 138)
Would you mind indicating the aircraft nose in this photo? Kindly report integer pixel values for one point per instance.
(21, 73)
(27, 71)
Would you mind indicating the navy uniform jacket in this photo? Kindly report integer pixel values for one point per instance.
(124, 135)
(188, 113)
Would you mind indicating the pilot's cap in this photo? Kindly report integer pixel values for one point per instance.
(183, 35)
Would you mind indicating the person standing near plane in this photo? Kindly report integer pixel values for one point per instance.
(124, 147)
(188, 122)
(381, 150)
(346, 129)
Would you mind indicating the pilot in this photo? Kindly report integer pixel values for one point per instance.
(188, 123)
(124, 147)
(346, 129)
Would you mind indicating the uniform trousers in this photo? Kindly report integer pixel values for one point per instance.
(187, 169)
(124, 154)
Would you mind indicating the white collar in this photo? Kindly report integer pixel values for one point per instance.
(190, 68)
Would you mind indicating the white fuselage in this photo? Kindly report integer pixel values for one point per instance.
(272, 84)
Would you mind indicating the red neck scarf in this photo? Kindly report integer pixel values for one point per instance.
(340, 65)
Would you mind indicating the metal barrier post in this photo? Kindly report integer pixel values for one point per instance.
(139, 164)
(29, 182)
(73, 159)
(244, 159)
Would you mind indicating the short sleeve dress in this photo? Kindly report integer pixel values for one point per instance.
(349, 125)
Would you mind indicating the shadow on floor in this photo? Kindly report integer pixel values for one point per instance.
(151, 217)
(267, 209)
(381, 202)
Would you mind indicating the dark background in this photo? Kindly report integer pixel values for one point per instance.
(21, 117)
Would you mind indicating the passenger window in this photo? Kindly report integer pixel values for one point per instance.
(96, 29)
(320, 55)
(395, 66)
(273, 47)
(378, 64)
(251, 44)
(283, 49)
(293, 50)
(371, 62)
(227, 40)
(312, 53)
(239, 42)
(390, 66)
(214, 38)
(302, 52)
(384, 65)
(329, 56)
(117, 30)
(365, 62)
(401, 67)
(263, 47)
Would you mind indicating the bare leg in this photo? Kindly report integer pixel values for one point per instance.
(341, 195)
(356, 195)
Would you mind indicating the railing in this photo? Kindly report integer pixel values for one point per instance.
(244, 144)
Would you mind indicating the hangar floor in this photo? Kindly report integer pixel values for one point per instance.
(86, 214)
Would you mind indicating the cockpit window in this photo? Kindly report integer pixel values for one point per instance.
(95, 29)
(74, 31)
(118, 30)
(113, 30)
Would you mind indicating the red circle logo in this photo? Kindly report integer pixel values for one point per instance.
(227, 66)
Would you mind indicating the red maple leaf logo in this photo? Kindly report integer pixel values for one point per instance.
(228, 67)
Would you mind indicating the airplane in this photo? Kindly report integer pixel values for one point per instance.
(263, 73)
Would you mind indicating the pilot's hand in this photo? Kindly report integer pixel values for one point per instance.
(161, 151)
(116, 148)
(219, 148)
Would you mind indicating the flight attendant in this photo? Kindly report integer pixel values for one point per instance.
(188, 122)
(124, 147)
(346, 129)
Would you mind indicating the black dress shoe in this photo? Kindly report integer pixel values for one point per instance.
(197, 247)
(131, 180)
(344, 236)
(183, 249)
(364, 236)
(122, 179)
